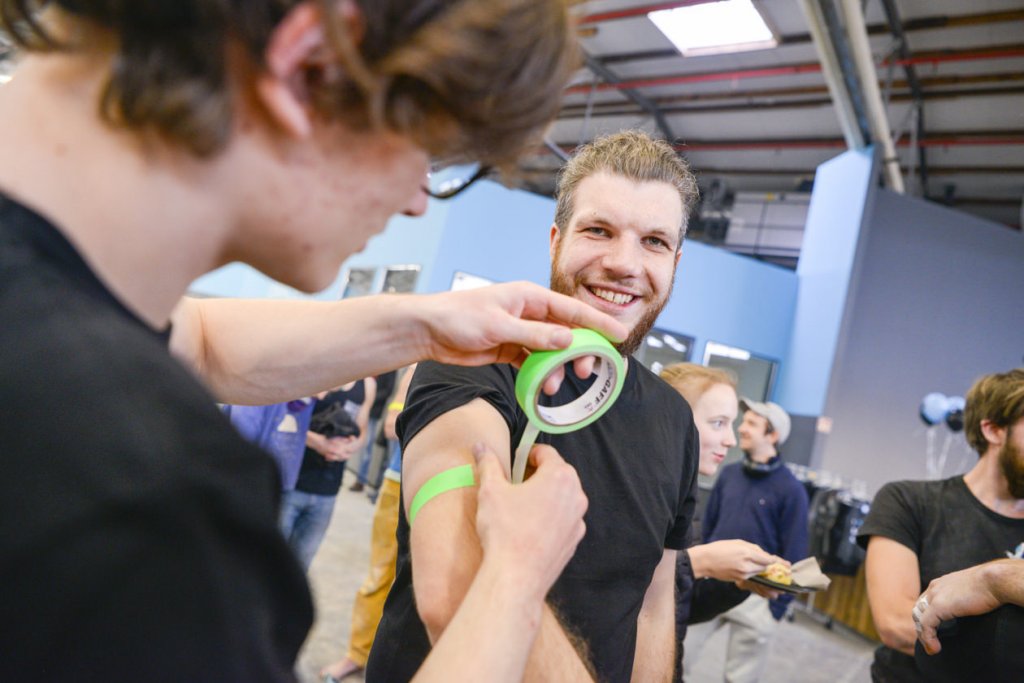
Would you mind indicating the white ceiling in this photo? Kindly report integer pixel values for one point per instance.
(755, 127)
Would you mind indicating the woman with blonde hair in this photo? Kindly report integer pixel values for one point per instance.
(711, 393)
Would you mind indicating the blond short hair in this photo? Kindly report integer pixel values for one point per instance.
(632, 154)
(693, 380)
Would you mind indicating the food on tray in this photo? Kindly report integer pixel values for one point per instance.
(779, 573)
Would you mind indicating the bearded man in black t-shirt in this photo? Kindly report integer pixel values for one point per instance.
(963, 538)
(619, 225)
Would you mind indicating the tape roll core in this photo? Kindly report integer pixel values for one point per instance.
(610, 370)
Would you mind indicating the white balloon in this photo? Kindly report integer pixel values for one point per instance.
(934, 407)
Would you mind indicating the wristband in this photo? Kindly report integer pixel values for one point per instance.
(396, 406)
(594, 402)
(457, 477)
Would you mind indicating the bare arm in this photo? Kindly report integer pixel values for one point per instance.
(894, 583)
(968, 592)
(363, 417)
(654, 661)
(255, 352)
(397, 403)
(731, 560)
(528, 533)
(446, 550)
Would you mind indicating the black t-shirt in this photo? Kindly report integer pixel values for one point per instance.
(638, 467)
(949, 530)
(319, 475)
(139, 533)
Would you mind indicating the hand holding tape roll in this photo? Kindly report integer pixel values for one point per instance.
(595, 401)
(610, 370)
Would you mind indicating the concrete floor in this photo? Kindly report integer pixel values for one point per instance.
(336, 573)
(803, 651)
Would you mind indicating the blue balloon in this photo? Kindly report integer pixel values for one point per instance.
(934, 407)
(956, 403)
(955, 419)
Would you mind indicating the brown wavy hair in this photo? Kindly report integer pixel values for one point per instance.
(464, 79)
(998, 398)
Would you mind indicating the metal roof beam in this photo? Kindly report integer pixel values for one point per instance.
(839, 71)
(892, 15)
(642, 101)
(909, 26)
(929, 57)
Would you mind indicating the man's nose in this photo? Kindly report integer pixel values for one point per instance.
(622, 258)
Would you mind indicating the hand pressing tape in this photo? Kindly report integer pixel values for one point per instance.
(569, 417)
(576, 414)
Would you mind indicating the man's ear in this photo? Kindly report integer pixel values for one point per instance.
(553, 243)
(297, 43)
(994, 434)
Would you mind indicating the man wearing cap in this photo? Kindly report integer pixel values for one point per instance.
(757, 500)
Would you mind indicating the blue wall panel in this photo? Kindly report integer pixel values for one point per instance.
(842, 189)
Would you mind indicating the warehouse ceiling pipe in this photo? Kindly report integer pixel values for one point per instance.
(857, 31)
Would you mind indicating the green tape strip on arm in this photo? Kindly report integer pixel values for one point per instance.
(456, 478)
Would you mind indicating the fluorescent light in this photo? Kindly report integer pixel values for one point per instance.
(716, 349)
(4, 78)
(715, 27)
(674, 343)
(654, 342)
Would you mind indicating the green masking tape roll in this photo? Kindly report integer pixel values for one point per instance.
(610, 370)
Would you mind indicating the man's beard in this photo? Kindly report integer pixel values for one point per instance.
(563, 284)
(1011, 462)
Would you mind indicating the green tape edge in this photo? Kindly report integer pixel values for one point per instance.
(457, 477)
(539, 364)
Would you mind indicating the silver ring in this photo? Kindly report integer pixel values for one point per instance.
(919, 607)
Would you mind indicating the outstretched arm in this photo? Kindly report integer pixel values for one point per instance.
(445, 545)
(893, 580)
(255, 352)
(363, 418)
(397, 404)
(528, 533)
(968, 592)
(730, 560)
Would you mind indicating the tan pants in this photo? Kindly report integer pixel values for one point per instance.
(369, 604)
(751, 627)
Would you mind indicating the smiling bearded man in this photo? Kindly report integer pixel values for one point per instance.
(617, 187)
(619, 224)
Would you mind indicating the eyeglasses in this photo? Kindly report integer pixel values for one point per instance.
(447, 180)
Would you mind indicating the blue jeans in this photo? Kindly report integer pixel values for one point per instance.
(363, 474)
(304, 520)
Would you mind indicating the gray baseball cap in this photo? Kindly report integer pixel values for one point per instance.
(773, 412)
